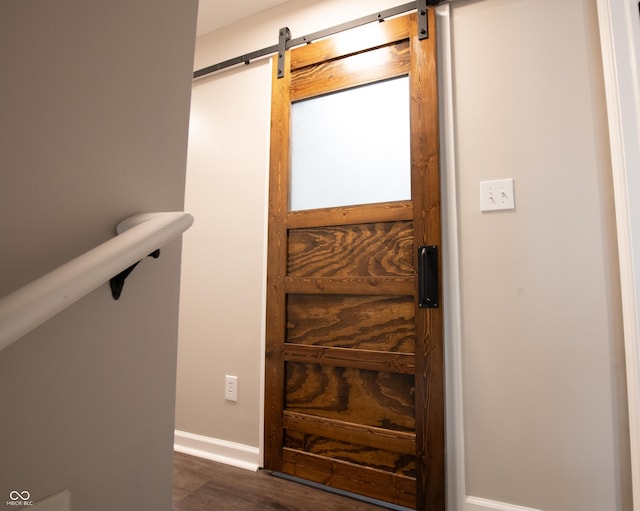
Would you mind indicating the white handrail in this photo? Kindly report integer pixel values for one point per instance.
(33, 304)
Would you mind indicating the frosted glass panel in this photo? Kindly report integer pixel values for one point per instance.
(351, 147)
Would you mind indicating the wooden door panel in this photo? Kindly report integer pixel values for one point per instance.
(371, 398)
(375, 249)
(378, 323)
(354, 393)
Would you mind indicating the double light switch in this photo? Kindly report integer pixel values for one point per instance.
(496, 195)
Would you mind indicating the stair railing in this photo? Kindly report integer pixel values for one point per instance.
(138, 236)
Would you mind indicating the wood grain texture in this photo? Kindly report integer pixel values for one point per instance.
(353, 41)
(360, 69)
(403, 363)
(361, 454)
(342, 322)
(382, 323)
(345, 215)
(376, 249)
(396, 441)
(369, 398)
(425, 166)
(276, 262)
(380, 484)
(398, 286)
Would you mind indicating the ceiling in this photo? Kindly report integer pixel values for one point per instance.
(213, 14)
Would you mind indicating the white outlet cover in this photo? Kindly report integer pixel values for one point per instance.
(231, 388)
(497, 195)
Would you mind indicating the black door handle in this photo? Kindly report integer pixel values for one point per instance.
(428, 279)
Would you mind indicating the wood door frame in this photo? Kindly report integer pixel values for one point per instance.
(425, 156)
(425, 131)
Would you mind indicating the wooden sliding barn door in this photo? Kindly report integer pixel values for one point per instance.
(354, 363)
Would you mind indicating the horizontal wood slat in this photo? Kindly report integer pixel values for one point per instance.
(396, 286)
(403, 363)
(367, 456)
(378, 484)
(397, 441)
(350, 42)
(334, 75)
(345, 215)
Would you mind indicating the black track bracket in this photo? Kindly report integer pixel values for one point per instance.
(423, 23)
(284, 36)
(117, 282)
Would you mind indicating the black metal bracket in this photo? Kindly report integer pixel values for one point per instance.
(284, 36)
(428, 278)
(117, 282)
(423, 22)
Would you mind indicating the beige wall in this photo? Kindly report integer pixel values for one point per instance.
(221, 309)
(545, 422)
(542, 352)
(95, 101)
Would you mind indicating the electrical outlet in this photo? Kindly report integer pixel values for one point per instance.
(496, 195)
(231, 388)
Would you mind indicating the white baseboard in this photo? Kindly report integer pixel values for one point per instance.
(478, 504)
(222, 451)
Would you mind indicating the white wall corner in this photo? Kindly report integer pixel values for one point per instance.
(478, 504)
(620, 43)
(455, 470)
(221, 451)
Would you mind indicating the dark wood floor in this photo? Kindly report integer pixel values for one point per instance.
(202, 485)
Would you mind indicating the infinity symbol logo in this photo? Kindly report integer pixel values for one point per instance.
(19, 495)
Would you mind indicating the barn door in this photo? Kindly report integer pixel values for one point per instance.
(354, 360)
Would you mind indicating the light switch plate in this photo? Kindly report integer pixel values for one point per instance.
(496, 195)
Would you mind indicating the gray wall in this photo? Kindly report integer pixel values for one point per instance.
(544, 404)
(94, 103)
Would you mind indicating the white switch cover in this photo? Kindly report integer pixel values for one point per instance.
(497, 194)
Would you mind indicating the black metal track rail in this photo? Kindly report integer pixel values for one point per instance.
(290, 43)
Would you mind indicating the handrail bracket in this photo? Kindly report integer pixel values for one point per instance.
(117, 282)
